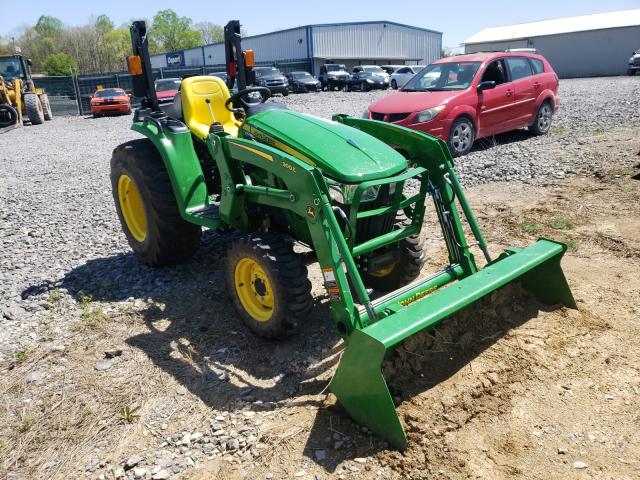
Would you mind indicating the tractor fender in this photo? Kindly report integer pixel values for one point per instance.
(182, 164)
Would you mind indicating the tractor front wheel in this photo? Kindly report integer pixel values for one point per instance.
(268, 284)
(147, 207)
(406, 269)
(34, 108)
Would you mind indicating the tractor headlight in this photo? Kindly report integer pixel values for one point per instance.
(429, 114)
(343, 193)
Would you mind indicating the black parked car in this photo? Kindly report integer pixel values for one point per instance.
(303, 82)
(273, 79)
(365, 79)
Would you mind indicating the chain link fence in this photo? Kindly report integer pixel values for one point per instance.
(70, 95)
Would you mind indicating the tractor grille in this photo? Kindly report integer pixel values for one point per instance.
(371, 227)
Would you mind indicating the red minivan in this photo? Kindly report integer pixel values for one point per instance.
(465, 97)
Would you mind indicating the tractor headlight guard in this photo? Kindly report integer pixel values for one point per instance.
(344, 193)
(429, 114)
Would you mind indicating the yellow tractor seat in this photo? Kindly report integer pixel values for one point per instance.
(194, 92)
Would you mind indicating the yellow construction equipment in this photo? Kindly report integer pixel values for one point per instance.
(19, 97)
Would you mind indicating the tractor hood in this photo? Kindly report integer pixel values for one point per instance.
(341, 152)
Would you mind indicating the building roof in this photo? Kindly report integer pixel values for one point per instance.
(343, 24)
(596, 21)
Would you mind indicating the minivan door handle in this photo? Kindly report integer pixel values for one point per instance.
(536, 84)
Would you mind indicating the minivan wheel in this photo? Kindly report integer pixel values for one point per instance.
(461, 137)
(542, 122)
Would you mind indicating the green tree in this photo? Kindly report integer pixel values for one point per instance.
(172, 32)
(59, 64)
(103, 24)
(49, 26)
(211, 33)
(119, 44)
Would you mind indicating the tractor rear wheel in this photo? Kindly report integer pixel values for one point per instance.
(46, 107)
(147, 207)
(405, 270)
(34, 108)
(268, 285)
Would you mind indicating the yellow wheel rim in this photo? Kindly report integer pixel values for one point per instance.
(254, 289)
(384, 271)
(132, 208)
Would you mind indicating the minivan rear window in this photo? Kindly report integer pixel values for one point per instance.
(538, 66)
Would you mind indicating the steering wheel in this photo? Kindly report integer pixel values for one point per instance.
(264, 92)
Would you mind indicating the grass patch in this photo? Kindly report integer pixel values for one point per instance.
(54, 297)
(83, 414)
(129, 414)
(571, 245)
(558, 131)
(27, 423)
(21, 356)
(561, 224)
(618, 171)
(92, 315)
(530, 227)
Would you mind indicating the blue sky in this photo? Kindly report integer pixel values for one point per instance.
(457, 20)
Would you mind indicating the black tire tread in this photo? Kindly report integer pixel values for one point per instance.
(533, 128)
(171, 240)
(412, 259)
(35, 114)
(456, 121)
(46, 107)
(289, 278)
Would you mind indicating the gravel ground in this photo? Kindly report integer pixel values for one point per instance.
(57, 211)
(61, 237)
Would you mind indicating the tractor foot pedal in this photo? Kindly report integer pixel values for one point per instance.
(212, 212)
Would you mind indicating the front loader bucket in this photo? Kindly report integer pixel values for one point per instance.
(358, 382)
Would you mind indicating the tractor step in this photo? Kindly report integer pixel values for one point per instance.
(207, 216)
(212, 212)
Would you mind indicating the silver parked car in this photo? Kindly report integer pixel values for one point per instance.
(634, 63)
(403, 74)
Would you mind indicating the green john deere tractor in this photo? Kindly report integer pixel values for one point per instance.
(339, 187)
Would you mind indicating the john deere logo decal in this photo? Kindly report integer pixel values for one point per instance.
(311, 211)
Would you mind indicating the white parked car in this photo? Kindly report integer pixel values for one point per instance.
(403, 74)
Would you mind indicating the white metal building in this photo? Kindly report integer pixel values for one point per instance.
(584, 46)
(309, 46)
